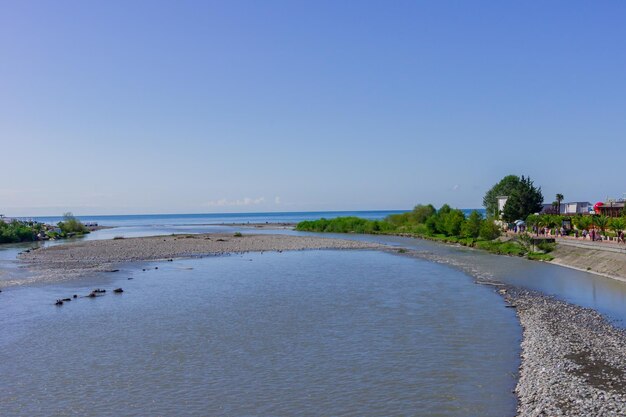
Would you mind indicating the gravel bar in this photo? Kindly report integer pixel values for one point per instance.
(573, 361)
(70, 260)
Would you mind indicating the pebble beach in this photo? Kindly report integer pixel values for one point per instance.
(573, 361)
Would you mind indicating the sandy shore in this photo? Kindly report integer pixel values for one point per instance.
(75, 259)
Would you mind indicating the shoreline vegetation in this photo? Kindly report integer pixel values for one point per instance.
(17, 231)
(446, 225)
(594, 259)
(517, 224)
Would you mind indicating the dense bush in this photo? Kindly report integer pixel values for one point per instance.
(71, 224)
(489, 230)
(471, 227)
(28, 231)
(345, 225)
(16, 231)
(446, 224)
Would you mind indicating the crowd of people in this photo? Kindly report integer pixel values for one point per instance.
(593, 234)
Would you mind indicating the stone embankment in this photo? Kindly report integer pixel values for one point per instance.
(598, 258)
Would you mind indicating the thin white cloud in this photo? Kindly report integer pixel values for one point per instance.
(222, 202)
(455, 187)
(277, 200)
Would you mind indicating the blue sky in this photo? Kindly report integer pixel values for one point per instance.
(152, 107)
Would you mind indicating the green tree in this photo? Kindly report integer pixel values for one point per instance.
(534, 220)
(601, 221)
(489, 230)
(559, 199)
(618, 224)
(544, 221)
(453, 222)
(582, 222)
(523, 200)
(471, 227)
(71, 224)
(503, 188)
(440, 218)
(16, 231)
(422, 212)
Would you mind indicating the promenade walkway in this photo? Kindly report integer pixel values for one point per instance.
(580, 242)
(587, 244)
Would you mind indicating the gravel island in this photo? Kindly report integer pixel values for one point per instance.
(70, 260)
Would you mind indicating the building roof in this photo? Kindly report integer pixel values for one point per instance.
(615, 204)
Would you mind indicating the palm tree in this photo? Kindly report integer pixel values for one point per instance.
(618, 224)
(601, 221)
(533, 221)
(582, 222)
(544, 221)
(559, 198)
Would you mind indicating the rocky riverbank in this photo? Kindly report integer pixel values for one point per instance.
(573, 360)
(70, 260)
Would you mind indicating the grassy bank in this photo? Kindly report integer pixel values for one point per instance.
(446, 225)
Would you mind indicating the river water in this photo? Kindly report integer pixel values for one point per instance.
(342, 333)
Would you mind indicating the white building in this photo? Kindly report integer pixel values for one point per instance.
(501, 202)
(576, 207)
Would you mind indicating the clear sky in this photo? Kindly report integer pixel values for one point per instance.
(117, 107)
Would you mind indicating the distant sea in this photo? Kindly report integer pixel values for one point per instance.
(222, 218)
(218, 218)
